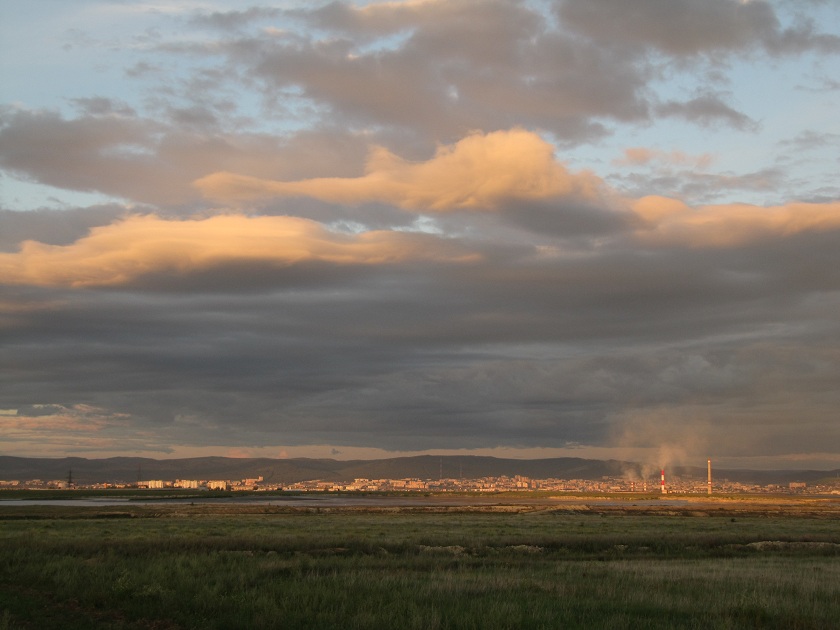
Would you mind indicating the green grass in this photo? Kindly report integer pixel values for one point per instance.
(355, 569)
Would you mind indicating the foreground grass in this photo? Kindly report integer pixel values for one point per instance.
(349, 569)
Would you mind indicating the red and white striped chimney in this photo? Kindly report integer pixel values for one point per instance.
(663, 481)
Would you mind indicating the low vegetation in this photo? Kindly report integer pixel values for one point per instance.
(153, 567)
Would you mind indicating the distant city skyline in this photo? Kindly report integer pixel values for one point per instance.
(363, 230)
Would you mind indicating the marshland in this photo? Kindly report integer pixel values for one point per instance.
(571, 563)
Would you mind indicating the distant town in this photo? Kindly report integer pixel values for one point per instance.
(606, 485)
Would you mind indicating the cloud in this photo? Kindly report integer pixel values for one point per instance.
(731, 225)
(441, 69)
(154, 161)
(809, 139)
(79, 418)
(707, 110)
(651, 171)
(684, 28)
(478, 172)
(55, 227)
(231, 20)
(383, 17)
(60, 430)
(101, 106)
(119, 155)
(137, 246)
(437, 70)
(638, 156)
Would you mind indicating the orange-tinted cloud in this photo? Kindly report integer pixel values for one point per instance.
(655, 208)
(139, 245)
(480, 171)
(638, 156)
(78, 418)
(729, 225)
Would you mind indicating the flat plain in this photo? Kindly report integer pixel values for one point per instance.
(502, 562)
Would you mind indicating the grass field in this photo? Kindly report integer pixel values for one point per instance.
(534, 567)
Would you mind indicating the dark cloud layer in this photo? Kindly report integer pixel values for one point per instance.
(515, 349)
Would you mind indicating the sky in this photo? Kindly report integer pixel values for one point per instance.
(359, 230)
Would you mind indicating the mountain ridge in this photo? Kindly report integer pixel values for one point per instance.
(291, 470)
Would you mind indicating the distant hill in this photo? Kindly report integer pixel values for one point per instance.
(129, 469)
(762, 477)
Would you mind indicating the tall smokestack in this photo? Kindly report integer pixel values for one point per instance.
(709, 482)
(663, 481)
